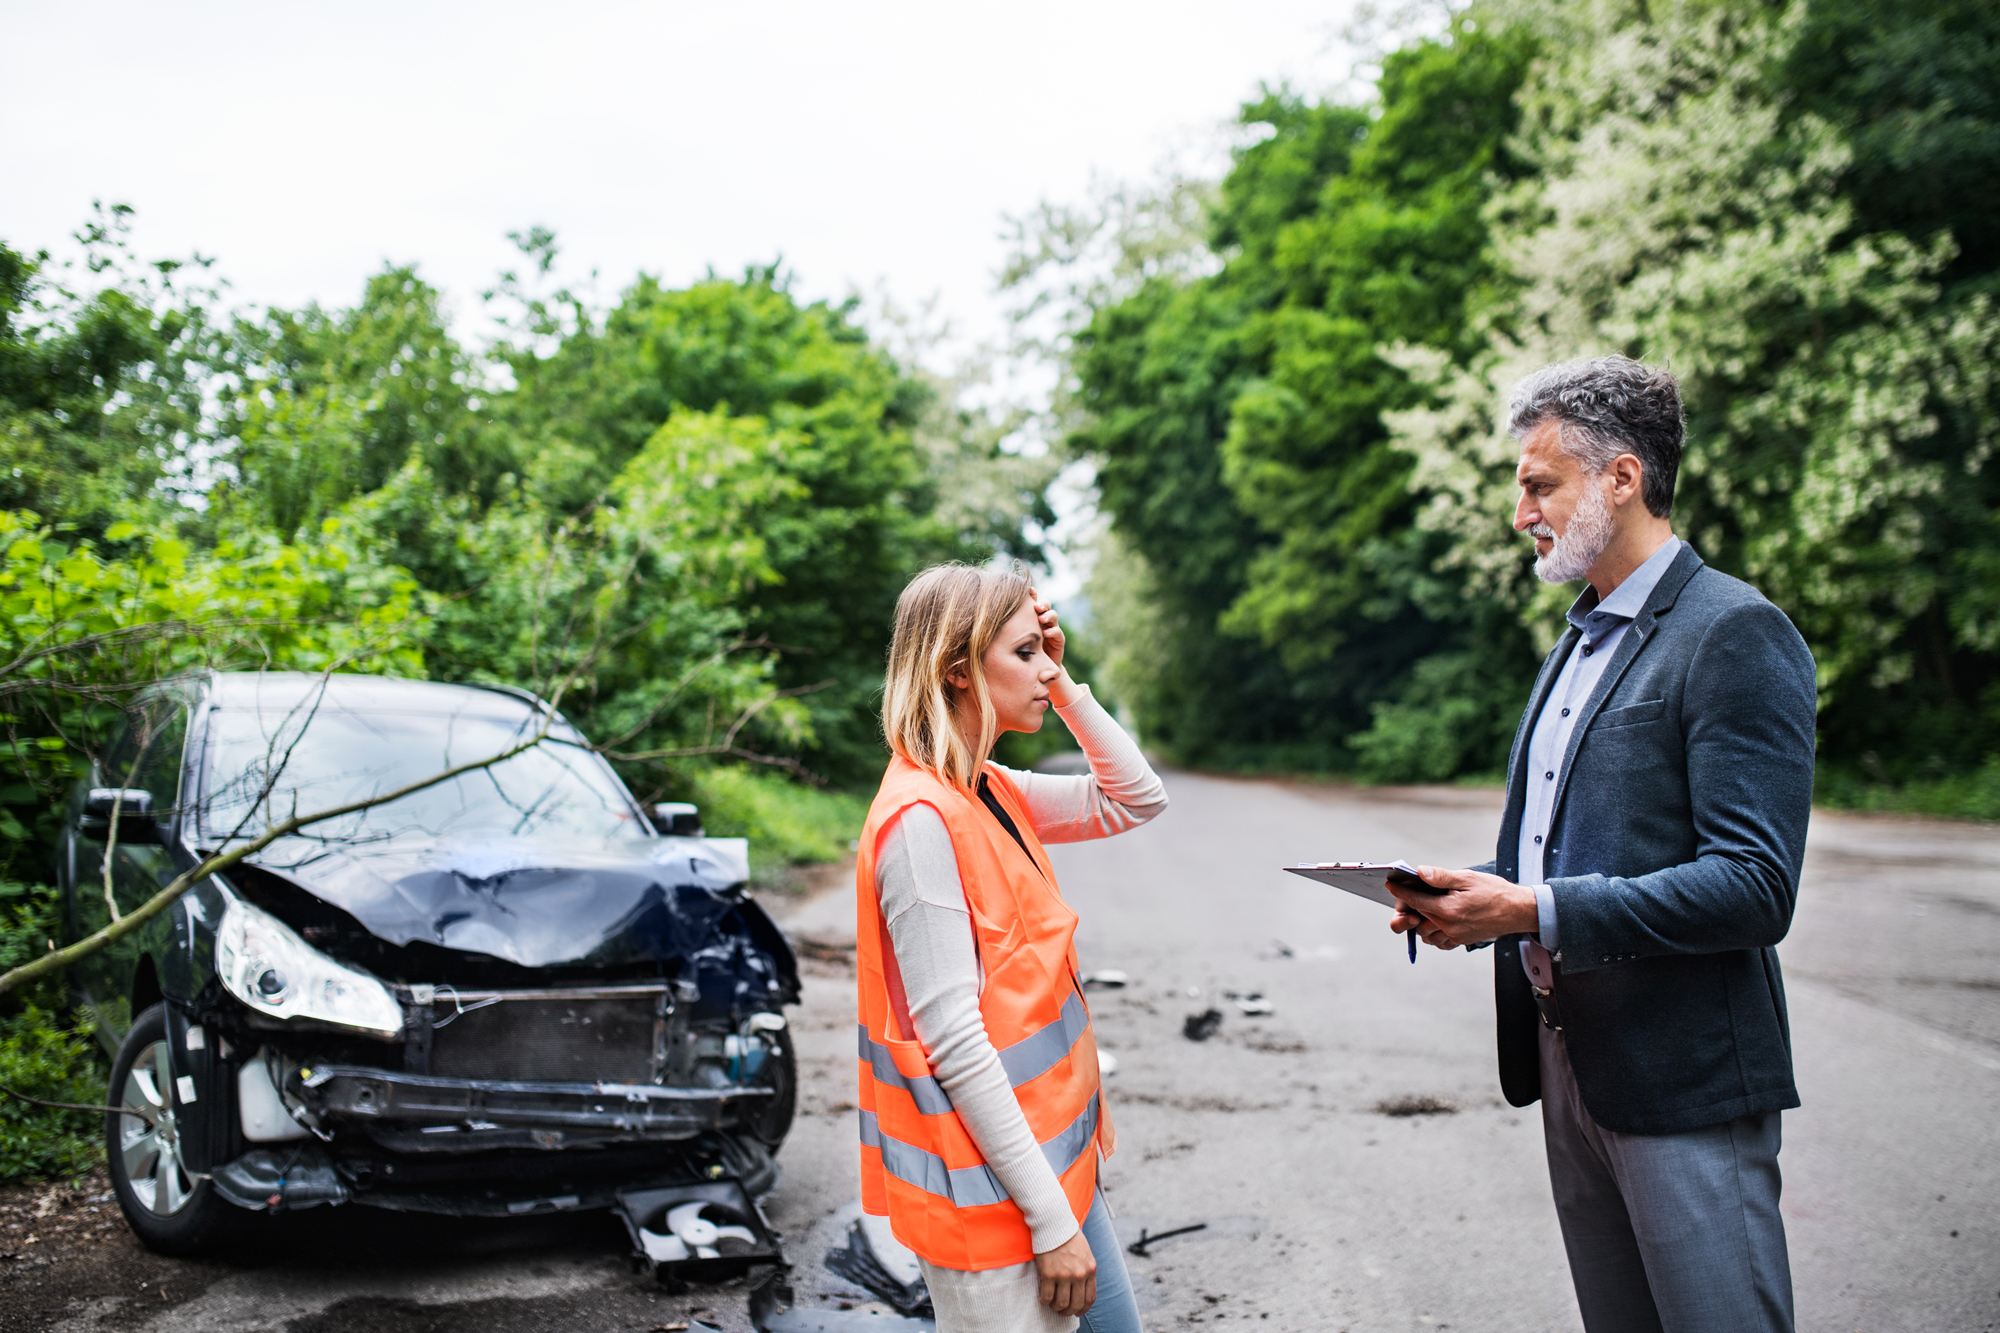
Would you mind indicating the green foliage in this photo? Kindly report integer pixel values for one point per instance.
(40, 1054)
(1691, 209)
(331, 404)
(689, 515)
(1236, 419)
(1453, 718)
(99, 384)
(30, 921)
(1971, 794)
(42, 1057)
(1793, 205)
(848, 513)
(84, 623)
(787, 824)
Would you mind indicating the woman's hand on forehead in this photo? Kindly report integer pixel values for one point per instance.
(1052, 634)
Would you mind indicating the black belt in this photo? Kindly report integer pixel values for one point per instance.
(1545, 1000)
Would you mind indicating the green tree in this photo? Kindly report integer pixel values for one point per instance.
(1237, 419)
(100, 378)
(85, 624)
(328, 405)
(1699, 202)
(852, 509)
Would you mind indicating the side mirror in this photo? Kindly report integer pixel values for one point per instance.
(134, 805)
(677, 819)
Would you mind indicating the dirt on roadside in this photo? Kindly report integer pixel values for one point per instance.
(63, 1244)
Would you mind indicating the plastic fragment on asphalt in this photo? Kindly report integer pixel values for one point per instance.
(1202, 1026)
(1105, 978)
(1251, 1002)
(874, 1259)
(1107, 1063)
(844, 1321)
(1147, 1238)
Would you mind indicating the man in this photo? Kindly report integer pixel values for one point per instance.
(1657, 799)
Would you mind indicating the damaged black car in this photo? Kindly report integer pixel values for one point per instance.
(515, 991)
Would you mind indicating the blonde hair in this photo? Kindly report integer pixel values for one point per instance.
(945, 621)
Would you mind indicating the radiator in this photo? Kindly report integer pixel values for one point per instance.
(591, 1036)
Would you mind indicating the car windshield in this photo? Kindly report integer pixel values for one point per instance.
(263, 766)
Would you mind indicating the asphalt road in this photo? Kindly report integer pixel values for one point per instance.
(1324, 1209)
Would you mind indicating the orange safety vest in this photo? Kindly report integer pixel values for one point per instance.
(919, 1166)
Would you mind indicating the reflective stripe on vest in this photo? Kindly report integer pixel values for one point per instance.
(972, 1186)
(1025, 1061)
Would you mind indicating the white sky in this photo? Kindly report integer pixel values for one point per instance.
(867, 144)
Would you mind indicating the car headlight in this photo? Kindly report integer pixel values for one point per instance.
(265, 965)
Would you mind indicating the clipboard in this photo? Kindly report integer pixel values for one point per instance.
(1364, 879)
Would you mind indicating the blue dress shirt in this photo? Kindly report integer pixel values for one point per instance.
(1602, 625)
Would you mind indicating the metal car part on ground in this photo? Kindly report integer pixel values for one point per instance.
(518, 991)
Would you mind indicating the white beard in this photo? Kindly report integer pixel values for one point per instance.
(1584, 539)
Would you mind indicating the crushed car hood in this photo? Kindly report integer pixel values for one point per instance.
(533, 902)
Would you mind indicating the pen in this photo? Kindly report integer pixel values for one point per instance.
(1412, 932)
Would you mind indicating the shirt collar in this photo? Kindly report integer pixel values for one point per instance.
(1594, 619)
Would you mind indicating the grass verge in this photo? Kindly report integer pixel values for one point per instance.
(1969, 795)
(788, 824)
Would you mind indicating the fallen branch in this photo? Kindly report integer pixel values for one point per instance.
(223, 860)
(143, 1113)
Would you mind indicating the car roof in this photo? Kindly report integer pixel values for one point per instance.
(267, 691)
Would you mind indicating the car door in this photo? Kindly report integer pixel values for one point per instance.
(145, 756)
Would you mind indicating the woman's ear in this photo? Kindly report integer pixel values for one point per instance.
(957, 677)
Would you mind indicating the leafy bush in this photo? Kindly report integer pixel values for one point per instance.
(41, 1057)
(1973, 795)
(41, 1054)
(788, 824)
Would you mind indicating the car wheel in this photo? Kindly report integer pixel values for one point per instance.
(168, 1209)
(781, 1074)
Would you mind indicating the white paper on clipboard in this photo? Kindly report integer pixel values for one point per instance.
(1364, 879)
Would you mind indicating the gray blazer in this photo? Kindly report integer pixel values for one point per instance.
(1679, 828)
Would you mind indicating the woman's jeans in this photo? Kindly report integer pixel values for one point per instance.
(1115, 1310)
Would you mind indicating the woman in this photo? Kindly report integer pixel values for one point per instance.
(981, 1121)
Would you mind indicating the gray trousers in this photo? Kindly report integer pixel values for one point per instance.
(1667, 1233)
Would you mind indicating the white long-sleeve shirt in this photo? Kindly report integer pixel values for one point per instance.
(930, 931)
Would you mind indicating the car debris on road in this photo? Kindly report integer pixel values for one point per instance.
(1202, 1026)
(1147, 1238)
(868, 1258)
(1251, 1003)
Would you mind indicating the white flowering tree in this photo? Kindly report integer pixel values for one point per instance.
(1841, 391)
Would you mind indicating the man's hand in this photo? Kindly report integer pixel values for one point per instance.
(1069, 1276)
(1473, 909)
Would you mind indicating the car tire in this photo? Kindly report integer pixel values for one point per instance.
(774, 1119)
(168, 1209)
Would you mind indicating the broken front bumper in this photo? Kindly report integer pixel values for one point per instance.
(475, 1107)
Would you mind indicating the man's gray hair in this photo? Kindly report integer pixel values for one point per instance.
(1604, 406)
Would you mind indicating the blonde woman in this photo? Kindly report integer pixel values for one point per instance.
(982, 1123)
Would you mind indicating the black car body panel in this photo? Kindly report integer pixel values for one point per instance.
(532, 902)
(566, 1002)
